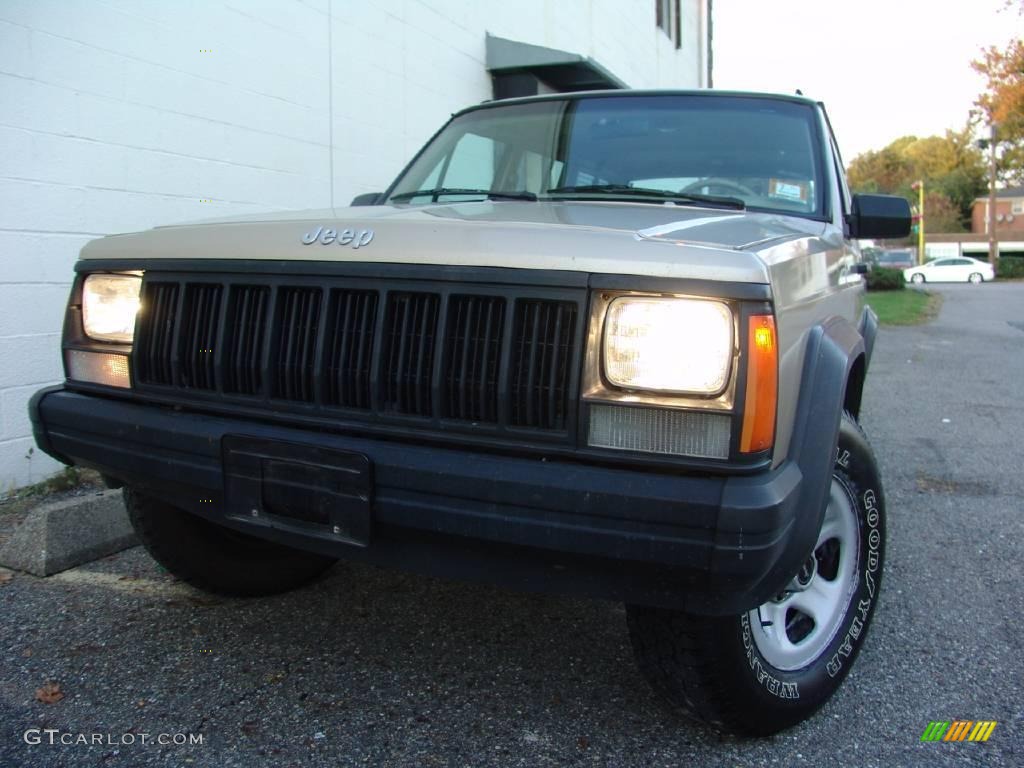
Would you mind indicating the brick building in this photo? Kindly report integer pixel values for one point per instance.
(1009, 213)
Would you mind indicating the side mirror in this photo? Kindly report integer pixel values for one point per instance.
(879, 216)
(367, 198)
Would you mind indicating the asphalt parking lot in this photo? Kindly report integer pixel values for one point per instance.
(381, 668)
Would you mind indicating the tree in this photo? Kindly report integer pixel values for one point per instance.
(941, 213)
(885, 170)
(1002, 104)
(951, 167)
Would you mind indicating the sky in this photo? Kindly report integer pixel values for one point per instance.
(883, 68)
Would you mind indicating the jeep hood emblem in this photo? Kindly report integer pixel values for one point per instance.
(326, 236)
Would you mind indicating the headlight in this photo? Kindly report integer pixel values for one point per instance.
(668, 345)
(109, 306)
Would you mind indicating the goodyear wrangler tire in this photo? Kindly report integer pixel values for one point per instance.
(769, 669)
(217, 559)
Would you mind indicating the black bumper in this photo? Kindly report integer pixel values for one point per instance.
(708, 544)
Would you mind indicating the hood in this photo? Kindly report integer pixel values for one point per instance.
(600, 237)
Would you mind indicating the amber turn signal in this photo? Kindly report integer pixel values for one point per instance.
(762, 385)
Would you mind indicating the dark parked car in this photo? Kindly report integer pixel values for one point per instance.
(897, 259)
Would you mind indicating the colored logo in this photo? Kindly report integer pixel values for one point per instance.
(958, 730)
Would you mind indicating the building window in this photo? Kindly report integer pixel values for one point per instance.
(1018, 206)
(669, 20)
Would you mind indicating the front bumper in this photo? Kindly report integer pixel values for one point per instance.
(709, 544)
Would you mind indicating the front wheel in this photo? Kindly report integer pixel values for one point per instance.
(216, 559)
(774, 666)
(975, 277)
(917, 278)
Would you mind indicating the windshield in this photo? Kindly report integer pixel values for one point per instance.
(715, 151)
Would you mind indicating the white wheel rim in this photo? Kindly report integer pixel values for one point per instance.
(975, 278)
(793, 630)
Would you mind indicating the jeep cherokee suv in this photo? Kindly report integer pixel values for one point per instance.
(608, 343)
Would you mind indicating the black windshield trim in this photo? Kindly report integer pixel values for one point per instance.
(606, 191)
(441, 191)
(637, 93)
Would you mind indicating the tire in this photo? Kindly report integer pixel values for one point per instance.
(729, 672)
(976, 278)
(216, 559)
(917, 278)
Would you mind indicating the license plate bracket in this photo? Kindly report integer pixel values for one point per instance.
(298, 487)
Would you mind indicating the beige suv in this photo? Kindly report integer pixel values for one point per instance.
(607, 343)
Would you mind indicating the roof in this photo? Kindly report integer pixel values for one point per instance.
(1004, 193)
(627, 92)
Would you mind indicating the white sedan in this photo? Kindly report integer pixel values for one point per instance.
(959, 270)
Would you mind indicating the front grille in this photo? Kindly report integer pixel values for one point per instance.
(540, 380)
(410, 329)
(246, 331)
(470, 356)
(154, 346)
(295, 333)
(350, 326)
(200, 315)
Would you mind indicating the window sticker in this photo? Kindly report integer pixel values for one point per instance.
(796, 191)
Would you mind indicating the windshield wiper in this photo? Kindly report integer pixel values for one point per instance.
(624, 190)
(435, 193)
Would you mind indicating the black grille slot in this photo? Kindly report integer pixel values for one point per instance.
(541, 355)
(154, 347)
(472, 357)
(244, 339)
(351, 320)
(199, 317)
(298, 314)
(410, 328)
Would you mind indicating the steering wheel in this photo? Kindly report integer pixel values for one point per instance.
(712, 182)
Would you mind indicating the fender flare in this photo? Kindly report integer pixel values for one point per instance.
(833, 349)
(867, 326)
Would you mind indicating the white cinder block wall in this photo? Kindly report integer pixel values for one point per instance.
(120, 115)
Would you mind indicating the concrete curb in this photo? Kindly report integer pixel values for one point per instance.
(61, 535)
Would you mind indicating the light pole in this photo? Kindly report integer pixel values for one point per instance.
(993, 245)
(919, 219)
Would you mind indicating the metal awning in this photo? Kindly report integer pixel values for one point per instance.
(559, 70)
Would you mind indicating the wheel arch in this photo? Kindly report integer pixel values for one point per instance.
(835, 364)
(867, 327)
